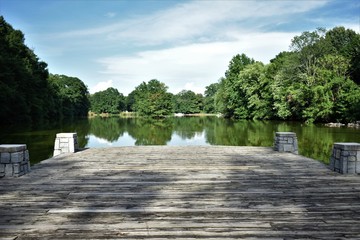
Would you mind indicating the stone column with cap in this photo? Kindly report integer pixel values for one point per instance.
(65, 143)
(345, 158)
(14, 160)
(286, 142)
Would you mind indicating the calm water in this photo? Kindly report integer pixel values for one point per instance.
(315, 141)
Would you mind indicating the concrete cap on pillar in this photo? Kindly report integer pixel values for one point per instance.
(285, 133)
(10, 148)
(352, 146)
(65, 135)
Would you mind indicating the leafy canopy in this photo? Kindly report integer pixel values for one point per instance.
(107, 101)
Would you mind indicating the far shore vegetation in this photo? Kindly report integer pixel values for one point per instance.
(317, 80)
(127, 114)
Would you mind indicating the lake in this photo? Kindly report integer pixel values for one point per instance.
(315, 141)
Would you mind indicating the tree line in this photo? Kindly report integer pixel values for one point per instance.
(317, 80)
(150, 99)
(28, 93)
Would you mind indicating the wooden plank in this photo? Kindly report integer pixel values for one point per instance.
(158, 192)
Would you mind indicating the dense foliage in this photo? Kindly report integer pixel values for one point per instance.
(209, 98)
(108, 101)
(152, 99)
(23, 78)
(70, 96)
(187, 102)
(316, 81)
(28, 93)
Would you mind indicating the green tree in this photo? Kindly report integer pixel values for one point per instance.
(248, 95)
(152, 99)
(200, 101)
(229, 99)
(237, 64)
(285, 87)
(221, 99)
(23, 79)
(255, 87)
(71, 94)
(341, 93)
(310, 47)
(318, 80)
(107, 101)
(346, 42)
(312, 82)
(130, 101)
(209, 98)
(187, 101)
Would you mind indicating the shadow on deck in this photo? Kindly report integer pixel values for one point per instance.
(180, 193)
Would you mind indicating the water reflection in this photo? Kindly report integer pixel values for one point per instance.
(315, 141)
(150, 132)
(108, 129)
(40, 138)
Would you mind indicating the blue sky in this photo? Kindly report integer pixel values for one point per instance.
(185, 44)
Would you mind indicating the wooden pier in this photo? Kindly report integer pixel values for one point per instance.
(161, 192)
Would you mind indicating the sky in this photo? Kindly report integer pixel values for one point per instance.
(185, 44)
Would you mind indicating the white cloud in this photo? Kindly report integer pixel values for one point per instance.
(189, 45)
(196, 20)
(101, 86)
(192, 66)
(193, 87)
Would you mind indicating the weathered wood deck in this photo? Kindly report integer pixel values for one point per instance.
(180, 193)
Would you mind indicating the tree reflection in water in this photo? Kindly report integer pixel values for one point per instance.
(315, 141)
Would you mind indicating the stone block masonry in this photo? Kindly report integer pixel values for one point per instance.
(14, 160)
(345, 158)
(286, 142)
(65, 143)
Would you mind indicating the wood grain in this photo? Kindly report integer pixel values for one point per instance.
(194, 192)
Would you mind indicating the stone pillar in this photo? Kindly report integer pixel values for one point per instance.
(345, 158)
(14, 160)
(286, 142)
(65, 143)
